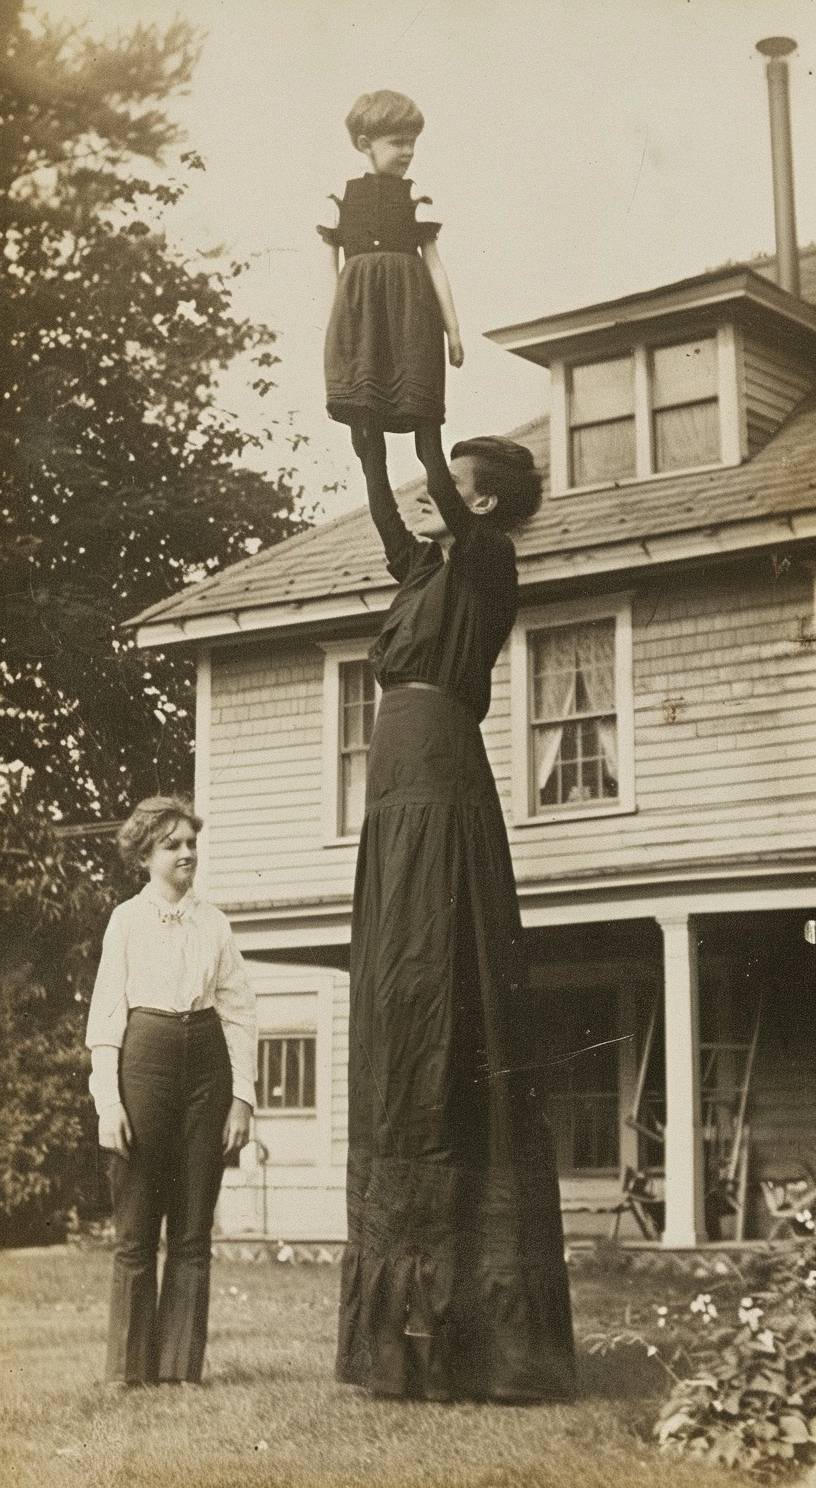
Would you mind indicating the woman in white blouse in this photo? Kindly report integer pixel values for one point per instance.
(173, 1038)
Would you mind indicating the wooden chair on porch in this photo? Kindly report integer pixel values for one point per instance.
(790, 1201)
(726, 1137)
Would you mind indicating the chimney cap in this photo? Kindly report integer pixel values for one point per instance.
(776, 46)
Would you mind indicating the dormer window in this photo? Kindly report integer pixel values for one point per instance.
(684, 377)
(652, 411)
(602, 421)
(685, 412)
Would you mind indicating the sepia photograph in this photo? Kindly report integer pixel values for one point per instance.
(408, 744)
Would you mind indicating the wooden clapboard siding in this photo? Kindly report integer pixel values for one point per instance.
(266, 773)
(774, 382)
(340, 1037)
(733, 774)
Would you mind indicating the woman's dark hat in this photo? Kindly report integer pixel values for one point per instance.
(496, 449)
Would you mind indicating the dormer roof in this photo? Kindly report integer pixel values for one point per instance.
(751, 298)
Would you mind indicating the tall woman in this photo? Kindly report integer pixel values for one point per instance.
(454, 1281)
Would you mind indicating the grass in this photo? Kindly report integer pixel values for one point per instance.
(271, 1415)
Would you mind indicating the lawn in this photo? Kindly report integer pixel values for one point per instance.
(271, 1413)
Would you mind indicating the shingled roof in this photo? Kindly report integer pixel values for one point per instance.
(344, 557)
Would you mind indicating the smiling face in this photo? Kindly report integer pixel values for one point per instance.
(465, 472)
(388, 154)
(172, 860)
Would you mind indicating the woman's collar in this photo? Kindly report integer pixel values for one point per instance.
(168, 911)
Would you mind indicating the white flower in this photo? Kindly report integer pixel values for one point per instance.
(748, 1314)
(704, 1305)
(810, 1280)
(651, 1351)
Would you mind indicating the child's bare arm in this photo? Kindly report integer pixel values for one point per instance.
(332, 272)
(439, 280)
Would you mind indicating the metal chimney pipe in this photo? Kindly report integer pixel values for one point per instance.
(777, 49)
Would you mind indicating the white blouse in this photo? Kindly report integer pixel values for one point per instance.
(180, 958)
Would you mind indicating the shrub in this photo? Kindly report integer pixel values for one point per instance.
(750, 1399)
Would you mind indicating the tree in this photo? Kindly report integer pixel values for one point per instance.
(54, 894)
(120, 474)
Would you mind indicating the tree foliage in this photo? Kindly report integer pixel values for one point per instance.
(54, 894)
(121, 476)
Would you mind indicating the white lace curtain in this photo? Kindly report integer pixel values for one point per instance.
(574, 672)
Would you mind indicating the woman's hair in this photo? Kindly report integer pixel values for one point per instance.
(148, 822)
(507, 471)
(383, 112)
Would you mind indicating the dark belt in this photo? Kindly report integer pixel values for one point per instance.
(194, 1013)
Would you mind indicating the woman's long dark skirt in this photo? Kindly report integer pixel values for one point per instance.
(454, 1282)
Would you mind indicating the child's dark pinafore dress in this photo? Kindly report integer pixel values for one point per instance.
(385, 348)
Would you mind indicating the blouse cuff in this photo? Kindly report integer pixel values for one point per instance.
(243, 1089)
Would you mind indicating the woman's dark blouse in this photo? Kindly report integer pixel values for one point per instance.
(449, 620)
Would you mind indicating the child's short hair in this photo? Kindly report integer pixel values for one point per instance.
(148, 821)
(507, 471)
(383, 112)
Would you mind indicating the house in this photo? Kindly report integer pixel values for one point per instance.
(652, 733)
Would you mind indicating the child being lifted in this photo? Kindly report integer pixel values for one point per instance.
(385, 343)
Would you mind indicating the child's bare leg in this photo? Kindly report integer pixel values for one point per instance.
(368, 440)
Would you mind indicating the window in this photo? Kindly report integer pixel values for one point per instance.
(684, 404)
(573, 723)
(583, 1081)
(350, 698)
(602, 421)
(656, 409)
(286, 1073)
(357, 709)
(571, 701)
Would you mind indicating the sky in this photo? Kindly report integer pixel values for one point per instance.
(575, 150)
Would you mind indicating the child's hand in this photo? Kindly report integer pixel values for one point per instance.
(236, 1127)
(456, 351)
(114, 1130)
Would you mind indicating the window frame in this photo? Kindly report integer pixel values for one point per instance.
(290, 1112)
(729, 399)
(617, 607)
(574, 424)
(336, 654)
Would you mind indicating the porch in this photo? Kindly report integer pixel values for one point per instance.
(679, 1052)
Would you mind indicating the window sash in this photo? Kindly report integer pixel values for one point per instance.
(601, 392)
(686, 435)
(572, 715)
(287, 1072)
(357, 710)
(615, 433)
(684, 372)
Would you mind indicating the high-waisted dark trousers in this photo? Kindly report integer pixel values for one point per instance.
(176, 1086)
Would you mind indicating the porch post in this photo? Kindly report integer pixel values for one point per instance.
(684, 1223)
